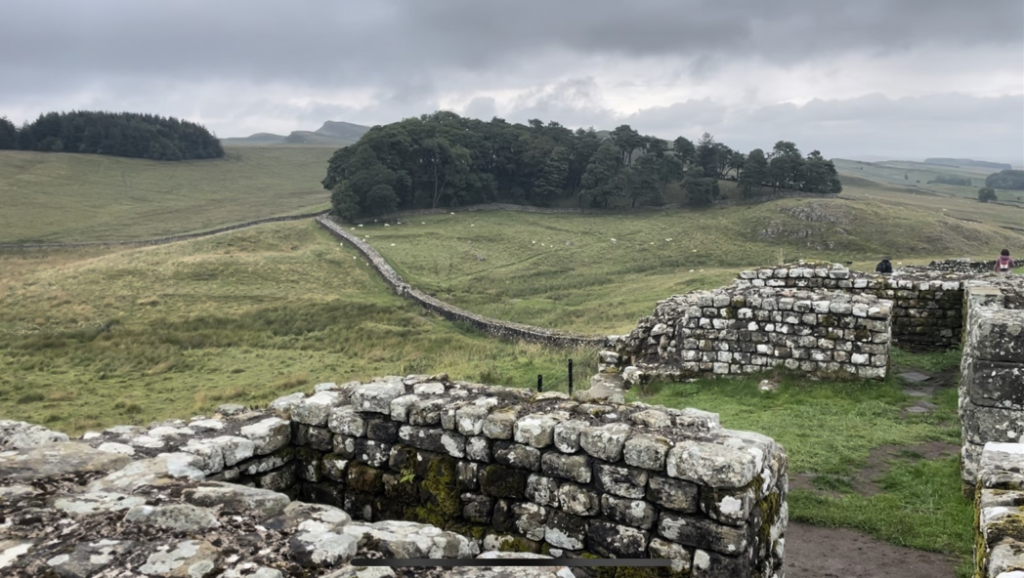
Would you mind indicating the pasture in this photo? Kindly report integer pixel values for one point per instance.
(48, 197)
(599, 273)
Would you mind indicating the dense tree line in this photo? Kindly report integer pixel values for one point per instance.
(122, 134)
(1009, 179)
(443, 159)
(951, 180)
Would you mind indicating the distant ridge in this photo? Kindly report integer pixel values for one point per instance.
(332, 133)
(967, 163)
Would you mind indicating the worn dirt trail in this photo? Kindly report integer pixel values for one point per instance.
(813, 552)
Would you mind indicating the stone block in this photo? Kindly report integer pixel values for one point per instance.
(673, 494)
(703, 533)
(517, 455)
(621, 481)
(614, 540)
(570, 467)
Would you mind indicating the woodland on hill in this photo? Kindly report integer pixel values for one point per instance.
(443, 159)
(123, 134)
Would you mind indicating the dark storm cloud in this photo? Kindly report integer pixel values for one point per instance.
(330, 43)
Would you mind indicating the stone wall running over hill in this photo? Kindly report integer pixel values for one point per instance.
(745, 328)
(999, 517)
(992, 369)
(503, 329)
(467, 467)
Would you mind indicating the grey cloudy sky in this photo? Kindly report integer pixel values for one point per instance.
(896, 78)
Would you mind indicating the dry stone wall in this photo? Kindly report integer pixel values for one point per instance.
(992, 369)
(999, 516)
(750, 327)
(503, 329)
(409, 467)
(927, 305)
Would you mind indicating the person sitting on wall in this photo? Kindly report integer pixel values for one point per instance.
(1004, 264)
(884, 267)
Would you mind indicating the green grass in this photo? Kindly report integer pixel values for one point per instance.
(565, 272)
(829, 430)
(97, 338)
(50, 197)
(918, 175)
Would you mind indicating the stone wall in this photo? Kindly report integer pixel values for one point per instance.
(161, 240)
(750, 327)
(999, 516)
(992, 369)
(468, 467)
(927, 305)
(496, 327)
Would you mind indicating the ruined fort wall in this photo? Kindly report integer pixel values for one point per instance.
(992, 370)
(999, 517)
(504, 468)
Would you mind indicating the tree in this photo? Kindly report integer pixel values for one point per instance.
(785, 166)
(599, 181)
(706, 155)
(344, 203)
(684, 150)
(755, 171)
(8, 134)
(700, 190)
(816, 174)
(551, 183)
(986, 194)
(381, 200)
(642, 186)
(735, 163)
(628, 140)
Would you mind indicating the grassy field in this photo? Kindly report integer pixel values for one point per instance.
(829, 431)
(92, 338)
(599, 273)
(75, 197)
(98, 337)
(917, 176)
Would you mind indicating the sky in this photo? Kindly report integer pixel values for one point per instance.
(904, 79)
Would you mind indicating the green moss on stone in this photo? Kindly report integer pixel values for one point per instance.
(502, 482)
(442, 507)
(517, 544)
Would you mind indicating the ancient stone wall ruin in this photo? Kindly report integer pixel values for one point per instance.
(927, 305)
(750, 327)
(467, 467)
(999, 516)
(992, 369)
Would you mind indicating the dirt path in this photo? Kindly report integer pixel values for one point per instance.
(813, 552)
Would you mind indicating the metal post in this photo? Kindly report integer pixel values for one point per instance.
(570, 377)
(540, 383)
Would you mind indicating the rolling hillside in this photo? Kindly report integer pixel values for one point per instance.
(76, 197)
(331, 134)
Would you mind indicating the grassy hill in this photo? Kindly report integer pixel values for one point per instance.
(914, 176)
(75, 197)
(92, 338)
(602, 272)
(332, 133)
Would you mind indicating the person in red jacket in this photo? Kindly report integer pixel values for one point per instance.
(1004, 264)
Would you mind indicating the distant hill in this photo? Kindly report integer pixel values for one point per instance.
(966, 163)
(332, 133)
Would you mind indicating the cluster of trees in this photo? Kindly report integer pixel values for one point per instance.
(443, 159)
(1008, 179)
(122, 134)
(951, 180)
(986, 194)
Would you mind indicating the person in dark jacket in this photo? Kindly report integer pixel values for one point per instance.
(884, 267)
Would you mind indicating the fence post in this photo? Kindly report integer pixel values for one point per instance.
(570, 377)
(540, 383)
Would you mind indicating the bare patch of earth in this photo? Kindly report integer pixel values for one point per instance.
(815, 552)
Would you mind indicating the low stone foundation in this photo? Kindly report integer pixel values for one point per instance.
(999, 519)
(468, 468)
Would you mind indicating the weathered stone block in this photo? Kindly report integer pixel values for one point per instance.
(376, 397)
(608, 539)
(646, 451)
(578, 501)
(703, 533)
(995, 384)
(434, 439)
(605, 442)
(713, 464)
(517, 455)
(636, 513)
(571, 467)
(673, 494)
(620, 481)
(565, 531)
